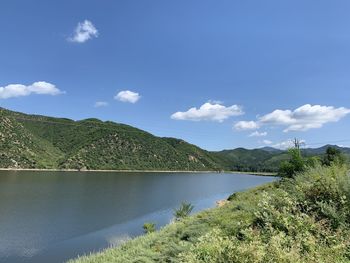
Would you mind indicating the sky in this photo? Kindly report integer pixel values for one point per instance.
(218, 74)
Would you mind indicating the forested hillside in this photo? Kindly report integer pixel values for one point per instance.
(33, 141)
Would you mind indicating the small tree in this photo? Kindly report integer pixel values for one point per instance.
(149, 227)
(333, 155)
(184, 210)
(296, 162)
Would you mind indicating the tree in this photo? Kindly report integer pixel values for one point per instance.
(296, 162)
(184, 210)
(333, 155)
(149, 227)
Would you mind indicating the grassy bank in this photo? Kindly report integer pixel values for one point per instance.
(305, 219)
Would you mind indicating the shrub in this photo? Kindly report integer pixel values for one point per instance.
(183, 211)
(294, 165)
(149, 227)
(304, 220)
(333, 156)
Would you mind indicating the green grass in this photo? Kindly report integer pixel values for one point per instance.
(166, 244)
(305, 219)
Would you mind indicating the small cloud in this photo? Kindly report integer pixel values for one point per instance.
(127, 96)
(267, 142)
(20, 90)
(99, 104)
(258, 134)
(286, 144)
(216, 101)
(246, 125)
(209, 111)
(83, 32)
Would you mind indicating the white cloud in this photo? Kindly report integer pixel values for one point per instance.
(19, 90)
(286, 144)
(258, 134)
(303, 118)
(99, 104)
(246, 125)
(127, 96)
(209, 111)
(83, 32)
(267, 142)
(278, 117)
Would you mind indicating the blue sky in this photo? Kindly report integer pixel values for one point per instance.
(242, 60)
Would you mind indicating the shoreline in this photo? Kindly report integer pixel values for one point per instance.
(135, 171)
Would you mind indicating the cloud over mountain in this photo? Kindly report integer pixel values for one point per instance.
(303, 118)
(20, 90)
(258, 134)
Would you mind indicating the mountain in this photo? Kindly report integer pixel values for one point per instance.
(34, 141)
(255, 160)
(271, 149)
(322, 150)
(266, 159)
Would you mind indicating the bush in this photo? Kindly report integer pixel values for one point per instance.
(333, 156)
(306, 219)
(183, 211)
(149, 227)
(294, 165)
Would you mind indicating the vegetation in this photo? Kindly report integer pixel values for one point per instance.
(304, 218)
(19, 148)
(295, 164)
(257, 160)
(149, 227)
(268, 159)
(33, 141)
(333, 156)
(183, 211)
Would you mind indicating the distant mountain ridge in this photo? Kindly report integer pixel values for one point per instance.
(35, 141)
(266, 159)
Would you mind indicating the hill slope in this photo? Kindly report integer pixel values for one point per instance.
(265, 159)
(22, 149)
(33, 141)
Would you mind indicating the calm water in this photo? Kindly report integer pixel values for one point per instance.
(54, 216)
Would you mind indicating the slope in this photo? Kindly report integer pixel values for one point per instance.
(93, 144)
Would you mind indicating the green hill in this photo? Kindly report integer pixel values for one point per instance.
(33, 141)
(265, 159)
(241, 159)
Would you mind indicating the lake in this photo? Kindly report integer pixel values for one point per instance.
(55, 216)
